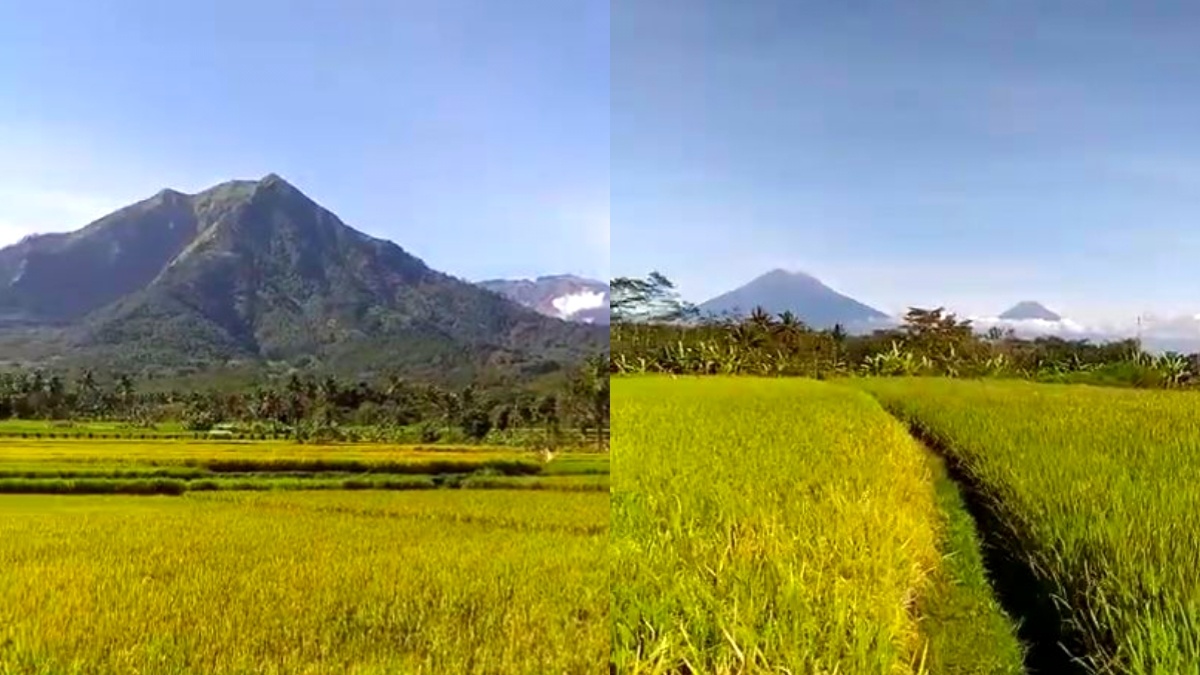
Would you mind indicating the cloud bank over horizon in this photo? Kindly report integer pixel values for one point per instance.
(1157, 332)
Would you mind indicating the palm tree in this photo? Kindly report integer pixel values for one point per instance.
(761, 318)
(125, 391)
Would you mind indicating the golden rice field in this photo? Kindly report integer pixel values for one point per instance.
(789, 526)
(795, 526)
(285, 571)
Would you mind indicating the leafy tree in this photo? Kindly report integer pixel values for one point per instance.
(589, 396)
(653, 299)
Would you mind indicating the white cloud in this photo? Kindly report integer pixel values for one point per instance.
(1032, 327)
(569, 305)
(1158, 332)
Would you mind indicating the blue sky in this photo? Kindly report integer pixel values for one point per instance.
(968, 154)
(473, 133)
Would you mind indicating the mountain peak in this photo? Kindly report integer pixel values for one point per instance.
(274, 181)
(782, 274)
(802, 294)
(1029, 309)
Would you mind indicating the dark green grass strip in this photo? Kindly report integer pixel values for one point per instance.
(161, 486)
(964, 624)
(57, 486)
(507, 467)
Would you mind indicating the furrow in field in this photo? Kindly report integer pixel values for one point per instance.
(1088, 494)
(760, 525)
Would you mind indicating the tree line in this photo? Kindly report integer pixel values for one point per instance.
(653, 330)
(308, 406)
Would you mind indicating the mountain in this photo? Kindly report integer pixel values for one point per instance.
(1027, 310)
(813, 302)
(563, 296)
(257, 271)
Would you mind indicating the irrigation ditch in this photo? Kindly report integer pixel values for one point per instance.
(1025, 597)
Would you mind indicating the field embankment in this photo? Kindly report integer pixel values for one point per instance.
(760, 525)
(1094, 493)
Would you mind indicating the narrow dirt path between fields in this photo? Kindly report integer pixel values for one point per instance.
(1022, 595)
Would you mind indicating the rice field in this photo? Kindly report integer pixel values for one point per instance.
(279, 558)
(1094, 491)
(788, 526)
(176, 466)
(434, 582)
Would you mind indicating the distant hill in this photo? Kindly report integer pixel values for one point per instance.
(805, 296)
(563, 296)
(254, 270)
(1028, 310)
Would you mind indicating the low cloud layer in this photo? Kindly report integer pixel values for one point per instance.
(1158, 333)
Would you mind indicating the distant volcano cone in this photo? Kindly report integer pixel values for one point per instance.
(1027, 310)
(805, 296)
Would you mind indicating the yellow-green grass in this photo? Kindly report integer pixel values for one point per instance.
(11, 427)
(1095, 492)
(781, 526)
(565, 482)
(324, 582)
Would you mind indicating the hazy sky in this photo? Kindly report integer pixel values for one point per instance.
(474, 133)
(970, 154)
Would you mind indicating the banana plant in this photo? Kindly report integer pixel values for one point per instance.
(890, 363)
(1173, 368)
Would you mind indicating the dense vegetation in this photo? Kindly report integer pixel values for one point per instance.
(789, 526)
(1093, 492)
(307, 408)
(653, 331)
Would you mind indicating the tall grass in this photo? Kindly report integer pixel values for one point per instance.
(766, 526)
(1096, 492)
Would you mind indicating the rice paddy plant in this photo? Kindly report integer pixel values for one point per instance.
(278, 582)
(766, 526)
(1095, 490)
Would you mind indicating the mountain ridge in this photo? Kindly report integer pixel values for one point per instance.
(256, 270)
